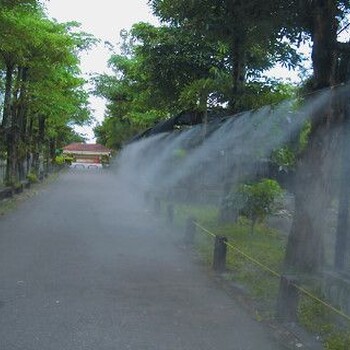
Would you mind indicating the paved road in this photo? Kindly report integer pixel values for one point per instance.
(84, 266)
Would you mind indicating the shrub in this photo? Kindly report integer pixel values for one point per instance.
(32, 177)
(59, 160)
(255, 201)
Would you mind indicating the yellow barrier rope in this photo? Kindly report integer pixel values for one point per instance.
(310, 295)
(264, 267)
(205, 230)
(276, 274)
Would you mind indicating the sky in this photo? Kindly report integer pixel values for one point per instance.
(104, 19)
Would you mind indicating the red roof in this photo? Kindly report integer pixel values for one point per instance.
(86, 147)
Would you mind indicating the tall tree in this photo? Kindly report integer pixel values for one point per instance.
(250, 30)
(40, 58)
(321, 20)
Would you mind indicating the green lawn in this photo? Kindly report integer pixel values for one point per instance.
(267, 246)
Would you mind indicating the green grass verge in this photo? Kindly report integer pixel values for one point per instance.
(320, 320)
(266, 245)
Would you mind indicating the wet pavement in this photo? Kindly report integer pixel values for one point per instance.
(84, 265)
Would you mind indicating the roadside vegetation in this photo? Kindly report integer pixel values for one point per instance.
(212, 58)
(42, 92)
(206, 58)
(258, 287)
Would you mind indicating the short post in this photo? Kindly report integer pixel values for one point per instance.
(190, 230)
(170, 213)
(220, 250)
(288, 299)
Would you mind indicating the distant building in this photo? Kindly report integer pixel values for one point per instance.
(88, 152)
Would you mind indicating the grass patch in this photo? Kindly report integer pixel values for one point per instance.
(320, 320)
(266, 245)
(207, 215)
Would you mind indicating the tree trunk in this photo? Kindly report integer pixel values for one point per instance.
(6, 117)
(30, 138)
(8, 124)
(342, 234)
(204, 109)
(40, 139)
(238, 72)
(305, 246)
(19, 121)
(324, 37)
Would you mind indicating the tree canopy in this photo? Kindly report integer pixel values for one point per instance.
(43, 92)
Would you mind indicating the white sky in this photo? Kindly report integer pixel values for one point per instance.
(104, 19)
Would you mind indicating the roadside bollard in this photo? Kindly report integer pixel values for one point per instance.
(170, 213)
(190, 230)
(220, 250)
(288, 299)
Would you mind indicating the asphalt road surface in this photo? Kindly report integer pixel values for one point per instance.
(83, 265)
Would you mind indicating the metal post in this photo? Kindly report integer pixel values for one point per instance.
(288, 299)
(220, 250)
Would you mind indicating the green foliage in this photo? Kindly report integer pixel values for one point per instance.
(32, 177)
(248, 35)
(65, 159)
(266, 91)
(207, 215)
(284, 157)
(267, 246)
(105, 159)
(59, 160)
(113, 132)
(314, 316)
(338, 340)
(162, 73)
(318, 319)
(40, 59)
(256, 200)
(304, 136)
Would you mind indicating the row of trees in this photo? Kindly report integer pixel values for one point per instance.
(165, 70)
(41, 90)
(214, 53)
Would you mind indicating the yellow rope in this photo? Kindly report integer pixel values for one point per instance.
(276, 274)
(205, 230)
(312, 296)
(266, 268)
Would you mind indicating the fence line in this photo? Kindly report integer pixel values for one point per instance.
(276, 274)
